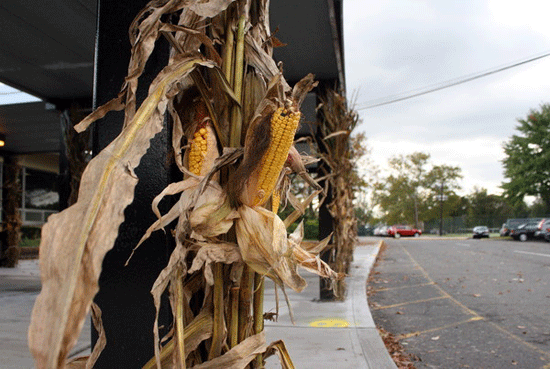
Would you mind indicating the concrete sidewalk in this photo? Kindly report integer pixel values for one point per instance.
(326, 334)
(330, 334)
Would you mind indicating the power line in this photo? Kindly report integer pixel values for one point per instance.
(452, 83)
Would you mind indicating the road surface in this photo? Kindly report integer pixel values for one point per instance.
(466, 303)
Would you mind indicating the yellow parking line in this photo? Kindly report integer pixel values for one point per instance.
(471, 312)
(441, 290)
(403, 287)
(409, 302)
(409, 335)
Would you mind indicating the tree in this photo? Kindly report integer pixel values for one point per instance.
(399, 193)
(410, 192)
(487, 209)
(527, 161)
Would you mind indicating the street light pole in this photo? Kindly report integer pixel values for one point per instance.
(441, 210)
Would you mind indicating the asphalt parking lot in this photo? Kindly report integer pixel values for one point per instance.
(466, 303)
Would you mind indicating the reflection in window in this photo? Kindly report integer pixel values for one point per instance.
(40, 190)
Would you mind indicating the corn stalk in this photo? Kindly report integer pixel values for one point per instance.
(236, 117)
(338, 123)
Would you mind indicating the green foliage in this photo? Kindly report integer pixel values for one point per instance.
(527, 162)
(311, 228)
(410, 193)
(363, 215)
(487, 209)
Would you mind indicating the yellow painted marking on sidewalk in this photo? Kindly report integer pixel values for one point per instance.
(413, 334)
(330, 323)
(471, 312)
(403, 287)
(409, 302)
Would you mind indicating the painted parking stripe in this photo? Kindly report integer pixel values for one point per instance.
(463, 244)
(532, 253)
(403, 287)
(417, 333)
(408, 303)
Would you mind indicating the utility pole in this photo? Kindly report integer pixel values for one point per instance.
(441, 209)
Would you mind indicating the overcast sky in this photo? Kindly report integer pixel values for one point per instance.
(397, 46)
(394, 47)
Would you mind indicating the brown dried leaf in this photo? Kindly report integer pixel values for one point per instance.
(71, 256)
(266, 248)
(301, 89)
(239, 356)
(227, 253)
(175, 265)
(210, 8)
(258, 58)
(279, 348)
(87, 362)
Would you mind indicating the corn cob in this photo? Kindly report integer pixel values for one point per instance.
(203, 150)
(283, 127)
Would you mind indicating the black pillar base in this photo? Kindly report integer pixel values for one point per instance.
(124, 297)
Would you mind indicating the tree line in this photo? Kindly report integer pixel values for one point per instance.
(417, 192)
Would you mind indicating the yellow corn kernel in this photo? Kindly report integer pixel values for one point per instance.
(197, 152)
(283, 127)
(275, 201)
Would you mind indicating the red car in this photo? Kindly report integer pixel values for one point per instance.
(402, 230)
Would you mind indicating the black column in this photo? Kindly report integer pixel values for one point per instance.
(326, 225)
(124, 296)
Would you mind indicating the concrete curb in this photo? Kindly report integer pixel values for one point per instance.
(371, 343)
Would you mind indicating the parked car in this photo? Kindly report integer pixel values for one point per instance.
(403, 230)
(481, 232)
(544, 223)
(383, 231)
(525, 231)
(504, 231)
(543, 231)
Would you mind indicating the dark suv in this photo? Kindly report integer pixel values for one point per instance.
(525, 231)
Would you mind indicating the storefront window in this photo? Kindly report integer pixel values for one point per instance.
(40, 190)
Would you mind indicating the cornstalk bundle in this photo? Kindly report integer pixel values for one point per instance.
(338, 123)
(234, 118)
(12, 216)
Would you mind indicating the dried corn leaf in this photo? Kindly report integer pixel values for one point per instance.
(175, 268)
(258, 58)
(209, 253)
(197, 331)
(299, 207)
(87, 362)
(297, 163)
(336, 134)
(210, 8)
(239, 356)
(279, 348)
(71, 256)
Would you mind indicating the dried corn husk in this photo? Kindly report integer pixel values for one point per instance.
(207, 261)
(71, 256)
(266, 248)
